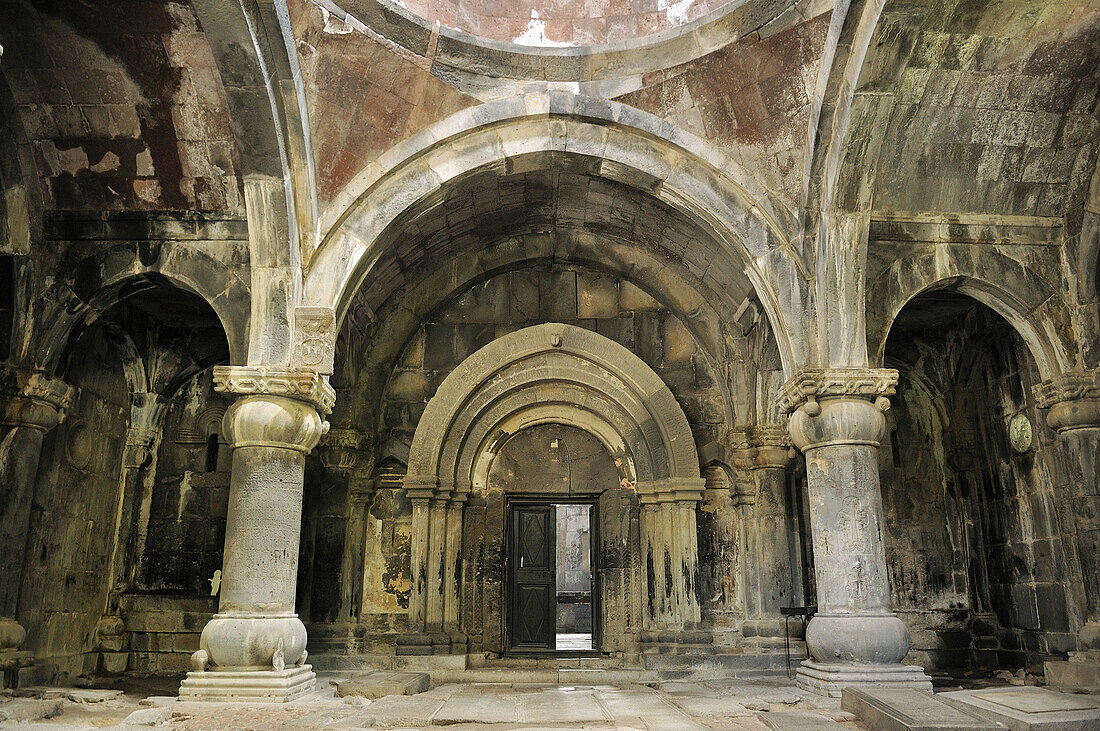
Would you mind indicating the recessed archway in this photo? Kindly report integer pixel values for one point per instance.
(554, 374)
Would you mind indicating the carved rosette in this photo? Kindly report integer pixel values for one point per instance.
(32, 399)
(1073, 399)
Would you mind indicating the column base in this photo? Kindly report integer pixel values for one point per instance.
(257, 686)
(830, 679)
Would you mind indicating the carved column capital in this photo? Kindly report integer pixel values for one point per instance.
(838, 406)
(1073, 399)
(302, 385)
(273, 421)
(771, 445)
(811, 386)
(30, 398)
(348, 450)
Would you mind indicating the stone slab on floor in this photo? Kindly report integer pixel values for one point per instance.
(381, 683)
(1030, 708)
(900, 709)
(799, 722)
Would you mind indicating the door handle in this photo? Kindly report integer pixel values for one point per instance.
(521, 562)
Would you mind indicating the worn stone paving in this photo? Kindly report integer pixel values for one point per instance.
(667, 707)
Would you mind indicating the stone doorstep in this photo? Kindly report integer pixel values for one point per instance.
(1065, 712)
(903, 709)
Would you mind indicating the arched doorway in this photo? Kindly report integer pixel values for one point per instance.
(973, 493)
(517, 388)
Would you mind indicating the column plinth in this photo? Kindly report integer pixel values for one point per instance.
(254, 648)
(855, 639)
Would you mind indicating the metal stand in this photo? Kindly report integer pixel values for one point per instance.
(803, 613)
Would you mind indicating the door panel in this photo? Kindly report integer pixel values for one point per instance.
(533, 591)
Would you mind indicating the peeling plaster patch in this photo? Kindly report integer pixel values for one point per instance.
(535, 35)
(676, 10)
(73, 160)
(109, 162)
(334, 26)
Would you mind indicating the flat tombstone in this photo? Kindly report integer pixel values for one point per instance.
(1037, 700)
(899, 709)
(1031, 709)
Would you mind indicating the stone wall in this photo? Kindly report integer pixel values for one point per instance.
(67, 574)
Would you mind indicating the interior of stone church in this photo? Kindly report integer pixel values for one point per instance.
(711, 347)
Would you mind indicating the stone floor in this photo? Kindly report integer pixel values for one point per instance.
(670, 706)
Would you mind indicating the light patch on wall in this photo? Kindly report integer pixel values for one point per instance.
(675, 10)
(535, 35)
(334, 26)
(108, 163)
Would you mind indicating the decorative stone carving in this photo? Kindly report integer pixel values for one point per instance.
(1073, 399)
(811, 386)
(303, 385)
(347, 450)
(32, 399)
(315, 339)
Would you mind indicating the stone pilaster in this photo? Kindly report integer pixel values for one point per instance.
(435, 597)
(670, 538)
(771, 534)
(1073, 403)
(255, 646)
(348, 454)
(855, 639)
(31, 404)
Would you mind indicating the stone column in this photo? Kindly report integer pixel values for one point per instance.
(1073, 400)
(255, 646)
(769, 551)
(671, 542)
(31, 404)
(855, 639)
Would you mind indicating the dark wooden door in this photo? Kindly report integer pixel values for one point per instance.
(533, 593)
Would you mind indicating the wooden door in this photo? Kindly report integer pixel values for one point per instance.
(533, 624)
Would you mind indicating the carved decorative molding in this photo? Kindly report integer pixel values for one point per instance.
(315, 338)
(1068, 387)
(1073, 399)
(347, 449)
(302, 385)
(31, 398)
(816, 384)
